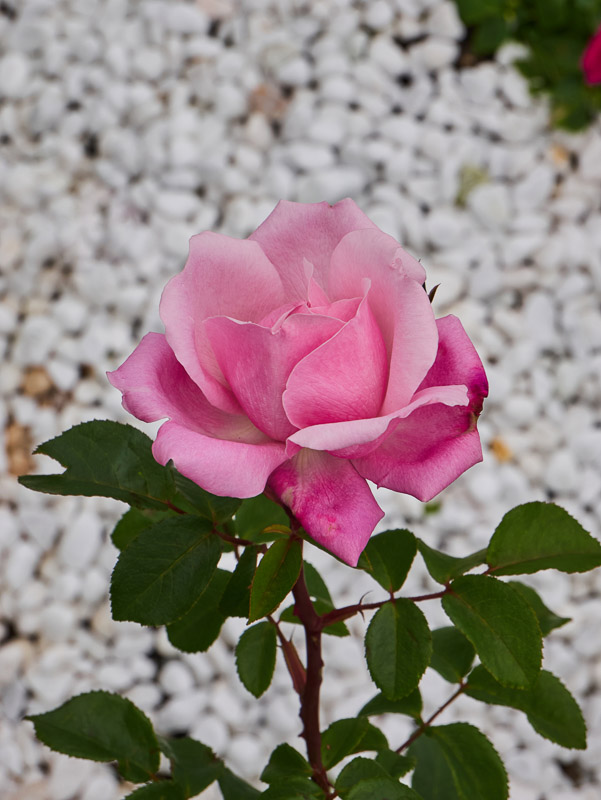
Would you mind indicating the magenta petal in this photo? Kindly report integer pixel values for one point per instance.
(297, 232)
(331, 501)
(257, 362)
(222, 276)
(222, 467)
(155, 386)
(399, 303)
(343, 379)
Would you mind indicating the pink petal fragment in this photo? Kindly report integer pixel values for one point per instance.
(222, 276)
(359, 437)
(222, 467)
(155, 386)
(343, 379)
(332, 502)
(295, 232)
(399, 303)
(257, 361)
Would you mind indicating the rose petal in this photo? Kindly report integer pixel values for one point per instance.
(257, 362)
(222, 467)
(331, 501)
(295, 232)
(222, 276)
(342, 379)
(399, 303)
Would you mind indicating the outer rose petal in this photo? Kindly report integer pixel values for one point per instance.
(437, 443)
(297, 232)
(591, 60)
(332, 502)
(155, 386)
(222, 467)
(223, 276)
(400, 305)
(343, 379)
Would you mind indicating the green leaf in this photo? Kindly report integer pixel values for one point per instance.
(217, 509)
(255, 657)
(194, 766)
(275, 576)
(443, 568)
(549, 706)
(382, 789)
(163, 572)
(539, 536)
(347, 736)
(501, 626)
(105, 459)
(164, 790)
(411, 705)
(236, 600)
(547, 619)
(457, 762)
(196, 631)
(293, 789)
(475, 11)
(452, 654)
(256, 514)
(134, 522)
(102, 727)
(234, 788)
(398, 646)
(359, 769)
(322, 600)
(388, 558)
(285, 762)
(489, 35)
(394, 763)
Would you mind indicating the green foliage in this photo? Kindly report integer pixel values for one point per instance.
(134, 522)
(398, 646)
(289, 775)
(550, 708)
(555, 34)
(275, 576)
(234, 788)
(255, 657)
(257, 514)
(457, 762)
(539, 536)
(194, 766)
(101, 726)
(452, 654)
(212, 507)
(164, 571)
(357, 770)
(382, 789)
(164, 790)
(500, 624)
(236, 598)
(319, 594)
(388, 558)
(347, 736)
(368, 779)
(196, 631)
(411, 705)
(443, 568)
(394, 763)
(547, 619)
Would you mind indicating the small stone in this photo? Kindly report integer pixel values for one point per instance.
(20, 564)
(176, 678)
(435, 52)
(444, 20)
(176, 205)
(245, 752)
(81, 541)
(102, 786)
(57, 622)
(14, 75)
(378, 14)
(562, 473)
(178, 714)
(490, 204)
(68, 776)
(114, 676)
(146, 696)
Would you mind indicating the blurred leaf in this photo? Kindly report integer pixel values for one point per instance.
(275, 576)
(255, 657)
(394, 763)
(411, 705)
(347, 736)
(398, 646)
(359, 769)
(196, 631)
(443, 568)
(194, 766)
(382, 789)
(501, 626)
(547, 619)
(234, 788)
(163, 790)
(102, 727)
(452, 654)
(257, 513)
(489, 35)
(474, 11)
(285, 762)
(388, 557)
(236, 598)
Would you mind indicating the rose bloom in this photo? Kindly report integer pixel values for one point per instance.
(591, 60)
(303, 361)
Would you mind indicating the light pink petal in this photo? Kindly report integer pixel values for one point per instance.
(331, 501)
(223, 276)
(297, 232)
(222, 467)
(257, 361)
(436, 443)
(360, 437)
(155, 386)
(343, 379)
(399, 304)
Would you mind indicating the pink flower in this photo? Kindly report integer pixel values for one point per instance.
(591, 60)
(306, 359)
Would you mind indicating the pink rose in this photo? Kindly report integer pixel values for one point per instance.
(591, 60)
(306, 359)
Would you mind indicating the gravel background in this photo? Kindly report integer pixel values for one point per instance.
(128, 125)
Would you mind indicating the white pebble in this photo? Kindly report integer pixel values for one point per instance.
(490, 204)
(80, 542)
(562, 473)
(176, 678)
(14, 75)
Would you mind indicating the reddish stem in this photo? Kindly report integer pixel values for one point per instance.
(425, 725)
(340, 614)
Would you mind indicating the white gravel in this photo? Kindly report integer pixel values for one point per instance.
(125, 127)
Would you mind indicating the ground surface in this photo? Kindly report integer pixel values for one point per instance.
(127, 126)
